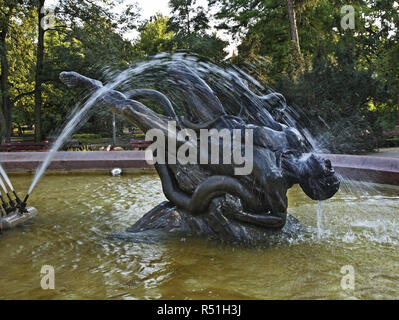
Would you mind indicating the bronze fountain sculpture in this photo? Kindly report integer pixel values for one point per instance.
(210, 199)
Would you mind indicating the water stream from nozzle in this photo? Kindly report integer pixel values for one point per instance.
(72, 124)
(3, 186)
(4, 204)
(320, 219)
(5, 177)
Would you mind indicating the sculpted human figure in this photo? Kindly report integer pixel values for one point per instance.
(208, 195)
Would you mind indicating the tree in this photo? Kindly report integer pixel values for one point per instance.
(6, 103)
(301, 5)
(39, 71)
(336, 100)
(190, 23)
(274, 25)
(155, 36)
(383, 42)
(354, 109)
(187, 17)
(86, 38)
(293, 26)
(10, 10)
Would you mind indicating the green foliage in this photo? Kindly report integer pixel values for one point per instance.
(296, 63)
(86, 39)
(209, 46)
(263, 27)
(188, 18)
(334, 101)
(344, 83)
(155, 36)
(86, 137)
(190, 23)
(139, 135)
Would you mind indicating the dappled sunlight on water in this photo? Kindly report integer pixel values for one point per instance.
(79, 216)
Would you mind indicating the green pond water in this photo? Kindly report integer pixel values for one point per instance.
(79, 216)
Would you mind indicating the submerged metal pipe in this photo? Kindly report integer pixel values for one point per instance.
(16, 197)
(11, 201)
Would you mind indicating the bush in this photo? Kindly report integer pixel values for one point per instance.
(139, 136)
(86, 136)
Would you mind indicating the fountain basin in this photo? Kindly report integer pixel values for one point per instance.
(76, 160)
(366, 168)
(81, 232)
(361, 168)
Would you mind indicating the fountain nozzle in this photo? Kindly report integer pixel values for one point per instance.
(11, 201)
(5, 206)
(21, 205)
(16, 197)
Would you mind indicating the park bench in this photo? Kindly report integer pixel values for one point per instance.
(139, 144)
(391, 134)
(391, 138)
(24, 146)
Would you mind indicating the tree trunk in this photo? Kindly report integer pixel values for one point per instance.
(293, 26)
(398, 112)
(38, 77)
(113, 129)
(188, 20)
(5, 112)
